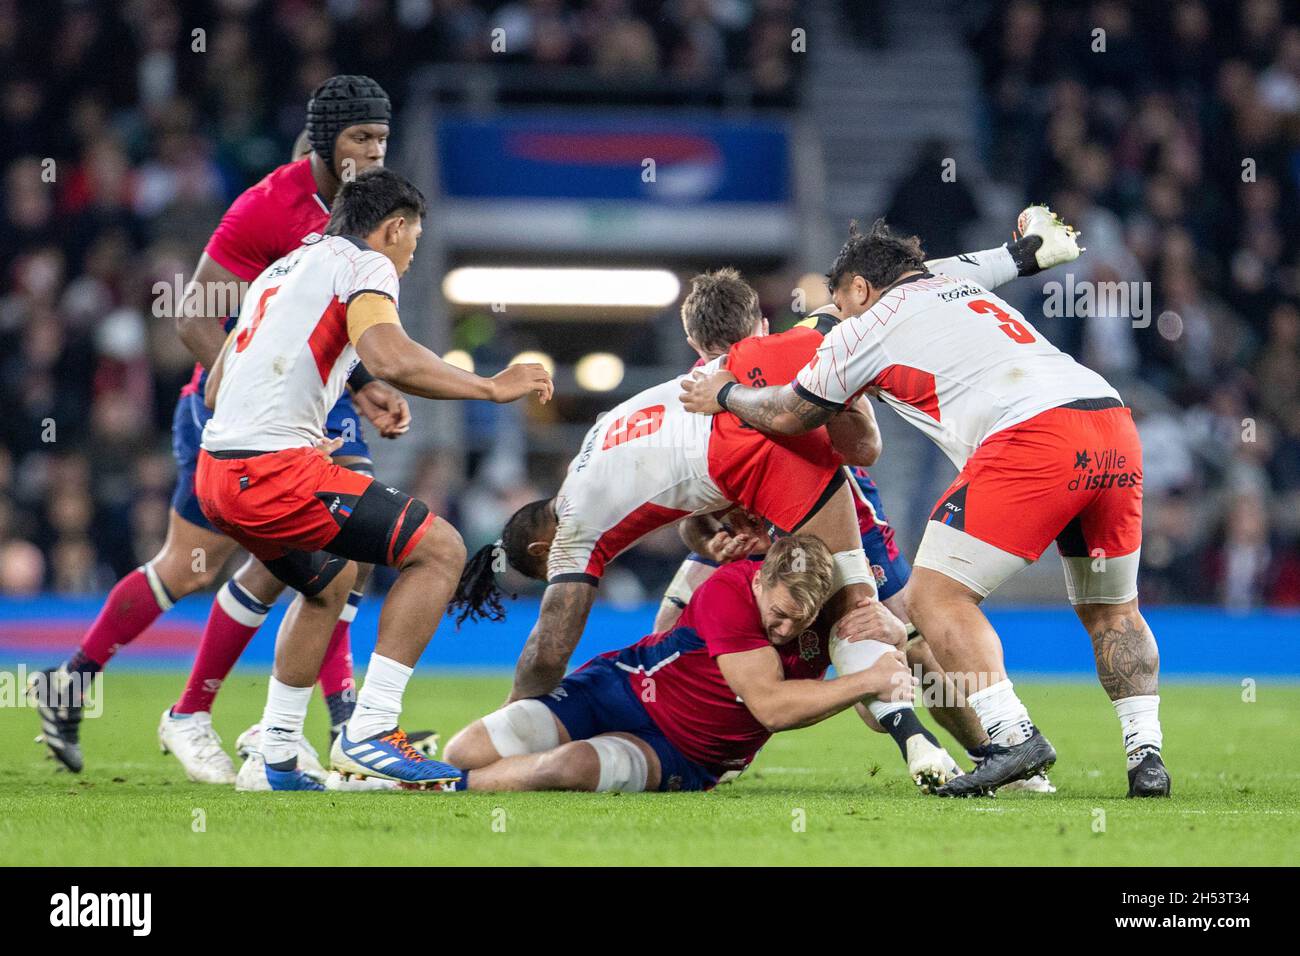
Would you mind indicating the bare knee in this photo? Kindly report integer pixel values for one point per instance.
(335, 593)
(257, 579)
(931, 598)
(471, 748)
(184, 570)
(1101, 617)
(571, 766)
(441, 548)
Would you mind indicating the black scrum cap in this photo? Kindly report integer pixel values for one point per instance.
(340, 102)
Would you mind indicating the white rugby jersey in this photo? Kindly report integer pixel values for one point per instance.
(952, 358)
(291, 356)
(643, 465)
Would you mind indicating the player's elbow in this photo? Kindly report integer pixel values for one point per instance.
(869, 450)
(770, 714)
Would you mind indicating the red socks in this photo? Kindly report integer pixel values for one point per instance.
(236, 615)
(135, 602)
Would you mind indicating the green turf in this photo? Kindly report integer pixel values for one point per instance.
(1236, 785)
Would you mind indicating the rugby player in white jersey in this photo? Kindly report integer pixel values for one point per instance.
(647, 464)
(264, 476)
(1046, 451)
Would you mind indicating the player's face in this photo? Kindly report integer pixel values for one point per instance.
(405, 240)
(780, 613)
(853, 296)
(360, 147)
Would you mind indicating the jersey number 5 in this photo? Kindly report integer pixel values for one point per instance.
(1010, 327)
(246, 336)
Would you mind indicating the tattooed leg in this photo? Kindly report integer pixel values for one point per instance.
(1128, 665)
(1128, 661)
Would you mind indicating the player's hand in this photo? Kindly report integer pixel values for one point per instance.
(890, 679)
(725, 547)
(740, 521)
(700, 391)
(384, 407)
(518, 380)
(326, 447)
(870, 620)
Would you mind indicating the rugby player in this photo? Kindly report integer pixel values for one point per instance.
(689, 707)
(1046, 451)
(262, 479)
(719, 307)
(643, 466)
(347, 132)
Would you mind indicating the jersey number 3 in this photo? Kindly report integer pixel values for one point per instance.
(1010, 327)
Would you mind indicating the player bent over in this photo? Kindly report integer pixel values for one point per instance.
(262, 477)
(647, 464)
(690, 707)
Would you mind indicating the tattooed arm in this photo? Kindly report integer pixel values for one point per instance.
(545, 656)
(777, 409)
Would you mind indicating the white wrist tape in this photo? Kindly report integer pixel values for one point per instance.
(522, 727)
(851, 568)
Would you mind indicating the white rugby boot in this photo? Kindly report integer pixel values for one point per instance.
(193, 742)
(929, 766)
(1060, 240)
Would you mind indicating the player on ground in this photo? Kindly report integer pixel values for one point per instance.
(718, 308)
(261, 478)
(347, 127)
(646, 464)
(689, 707)
(1046, 451)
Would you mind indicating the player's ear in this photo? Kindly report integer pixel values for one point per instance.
(538, 549)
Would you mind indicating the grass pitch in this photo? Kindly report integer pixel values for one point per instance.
(831, 794)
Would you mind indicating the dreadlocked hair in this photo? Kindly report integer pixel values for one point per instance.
(478, 596)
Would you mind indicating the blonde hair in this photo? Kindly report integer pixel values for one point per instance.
(805, 567)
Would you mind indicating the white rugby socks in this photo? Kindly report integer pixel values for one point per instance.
(1139, 719)
(379, 702)
(1002, 714)
(282, 720)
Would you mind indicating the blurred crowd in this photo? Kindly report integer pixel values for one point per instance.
(1169, 133)
(131, 126)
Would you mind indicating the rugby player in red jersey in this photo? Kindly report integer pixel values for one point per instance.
(347, 128)
(689, 707)
(306, 321)
(1046, 451)
(643, 466)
